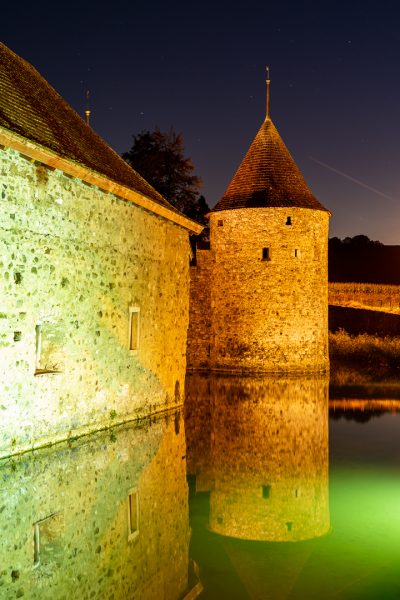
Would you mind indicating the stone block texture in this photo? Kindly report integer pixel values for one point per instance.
(268, 292)
(74, 261)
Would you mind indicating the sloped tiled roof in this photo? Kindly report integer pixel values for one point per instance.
(30, 107)
(268, 176)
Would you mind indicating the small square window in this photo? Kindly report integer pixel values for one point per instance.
(49, 347)
(220, 223)
(133, 514)
(134, 328)
(289, 221)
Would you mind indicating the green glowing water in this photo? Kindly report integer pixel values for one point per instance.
(285, 502)
(360, 556)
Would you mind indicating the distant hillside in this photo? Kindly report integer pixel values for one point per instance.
(360, 259)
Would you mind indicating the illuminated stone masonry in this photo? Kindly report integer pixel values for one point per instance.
(93, 307)
(261, 314)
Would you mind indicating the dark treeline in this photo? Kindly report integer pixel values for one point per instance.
(360, 259)
(356, 415)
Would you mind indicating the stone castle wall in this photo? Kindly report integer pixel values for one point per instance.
(268, 291)
(75, 262)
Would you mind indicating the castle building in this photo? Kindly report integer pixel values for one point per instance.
(259, 294)
(94, 275)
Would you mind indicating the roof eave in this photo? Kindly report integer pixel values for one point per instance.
(50, 158)
(320, 208)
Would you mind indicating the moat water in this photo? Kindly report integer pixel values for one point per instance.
(261, 489)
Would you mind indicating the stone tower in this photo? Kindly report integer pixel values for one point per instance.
(266, 270)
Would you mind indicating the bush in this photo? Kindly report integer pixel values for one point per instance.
(363, 358)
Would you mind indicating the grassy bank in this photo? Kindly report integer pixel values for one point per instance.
(363, 359)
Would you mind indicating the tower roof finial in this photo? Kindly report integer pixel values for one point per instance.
(268, 81)
(87, 111)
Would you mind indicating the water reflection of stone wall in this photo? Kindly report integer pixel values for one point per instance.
(198, 429)
(105, 519)
(267, 462)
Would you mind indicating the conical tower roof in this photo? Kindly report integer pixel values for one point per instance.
(268, 177)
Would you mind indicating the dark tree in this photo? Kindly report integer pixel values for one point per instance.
(198, 213)
(198, 210)
(160, 158)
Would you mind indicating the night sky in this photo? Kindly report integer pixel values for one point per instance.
(200, 68)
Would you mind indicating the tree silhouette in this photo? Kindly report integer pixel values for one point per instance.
(160, 158)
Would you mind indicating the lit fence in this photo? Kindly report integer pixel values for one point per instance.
(381, 297)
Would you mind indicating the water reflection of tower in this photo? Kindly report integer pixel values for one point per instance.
(268, 455)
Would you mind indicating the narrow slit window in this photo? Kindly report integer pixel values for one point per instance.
(48, 545)
(296, 253)
(288, 220)
(133, 514)
(38, 346)
(266, 491)
(266, 254)
(193, 251)
(36, 544)
(134, 314)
